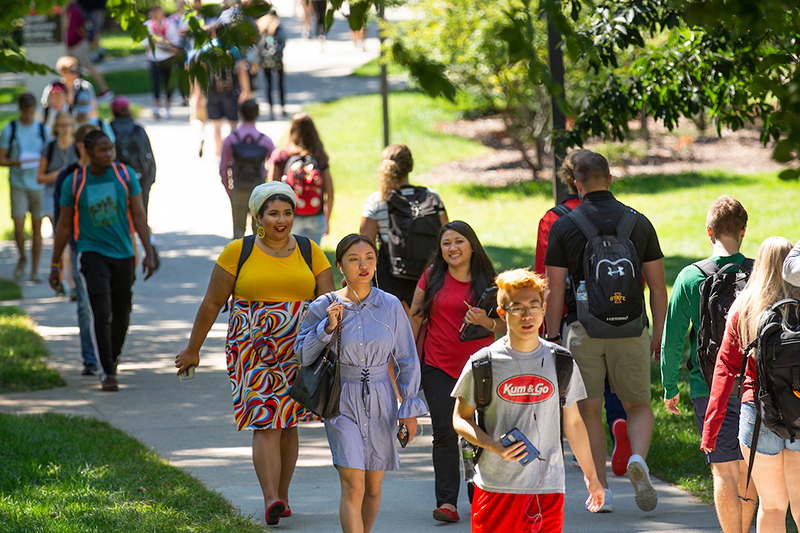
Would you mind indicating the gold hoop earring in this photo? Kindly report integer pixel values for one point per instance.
(260, 232)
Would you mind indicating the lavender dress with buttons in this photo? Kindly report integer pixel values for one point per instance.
(363, 435)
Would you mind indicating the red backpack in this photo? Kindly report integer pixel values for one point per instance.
(303, 175)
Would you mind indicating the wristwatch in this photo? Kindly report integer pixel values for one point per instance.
(554, 339)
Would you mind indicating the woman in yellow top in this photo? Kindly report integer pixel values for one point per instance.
(270, 297)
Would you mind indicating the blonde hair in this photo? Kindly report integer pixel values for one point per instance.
(64, 115)
(565, 173)
(519, 278)
(396, 164)
(66, 62)
(765, 287)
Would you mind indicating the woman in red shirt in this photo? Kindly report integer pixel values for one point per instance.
(776, 466)
(445, 296)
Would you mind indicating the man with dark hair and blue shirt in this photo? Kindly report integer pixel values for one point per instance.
(102, 204)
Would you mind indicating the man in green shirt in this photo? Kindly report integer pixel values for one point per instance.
(726, 224)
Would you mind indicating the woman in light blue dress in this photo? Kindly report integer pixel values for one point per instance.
(375, 334)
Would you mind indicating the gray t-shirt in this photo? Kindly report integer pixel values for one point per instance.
(526, 397)
(377, 210)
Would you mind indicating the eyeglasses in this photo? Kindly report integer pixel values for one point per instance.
(520, 310)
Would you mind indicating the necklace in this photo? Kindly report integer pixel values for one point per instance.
(273, 250)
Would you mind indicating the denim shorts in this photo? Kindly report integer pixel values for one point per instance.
(768, 442)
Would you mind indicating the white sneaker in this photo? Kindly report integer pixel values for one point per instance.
(165, 112)
(608, 505)
(156, 113)
(646, 496)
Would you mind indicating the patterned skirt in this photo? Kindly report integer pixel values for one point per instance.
(262, 363)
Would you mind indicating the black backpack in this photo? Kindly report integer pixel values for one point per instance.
(777, 392)
(717, 293)
(134, 150)
(414, 225)
(247, 169)
(610, 298)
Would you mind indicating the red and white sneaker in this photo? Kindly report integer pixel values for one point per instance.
(622, 447)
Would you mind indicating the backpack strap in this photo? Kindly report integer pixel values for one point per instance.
(626, 225)
(564, 369)
(51, 148)
(561, 210)
(482, 381)
(304, 243)
(76, 193)
(747, 264)
(125, 183)
(247, 248)
(586, 226)
(13, 137)
(42, 132)
(707, 266)
(753, 444)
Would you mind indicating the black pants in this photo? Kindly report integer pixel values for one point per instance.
(268, 88)
(145, 184)
(108, 284)
(438, 385)
(319, 11)
(161, 70)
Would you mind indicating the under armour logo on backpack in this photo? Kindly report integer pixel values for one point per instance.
(618, 272)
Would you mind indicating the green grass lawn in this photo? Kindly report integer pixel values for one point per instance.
(23, 354)
(9, 290)
(120, 45)
(126, 81)
(372, 68)
(70, 474)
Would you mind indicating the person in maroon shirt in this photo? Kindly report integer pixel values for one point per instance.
(776, 466)
(445, 297)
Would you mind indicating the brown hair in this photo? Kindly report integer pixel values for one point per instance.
(83, 131)
(591, 167)
(726, 216)
(396, 164)
(566, 172)
(304, 139)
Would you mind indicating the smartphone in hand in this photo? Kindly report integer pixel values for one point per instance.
(514, 436)
(402, 435)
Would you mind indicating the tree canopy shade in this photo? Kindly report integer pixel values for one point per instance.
(675, 58)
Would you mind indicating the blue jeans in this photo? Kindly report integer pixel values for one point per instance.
(768, 442)
(311, 226)
(84, 317)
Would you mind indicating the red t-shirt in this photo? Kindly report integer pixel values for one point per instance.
(75, 25)
(443, 350)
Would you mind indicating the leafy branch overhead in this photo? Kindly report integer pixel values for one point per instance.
(672, 58)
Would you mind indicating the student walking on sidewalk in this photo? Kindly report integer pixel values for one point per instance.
(102, 204)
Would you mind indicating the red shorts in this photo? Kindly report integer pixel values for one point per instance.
(517, 513)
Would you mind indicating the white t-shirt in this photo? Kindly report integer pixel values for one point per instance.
(525, 397)
(376, 209)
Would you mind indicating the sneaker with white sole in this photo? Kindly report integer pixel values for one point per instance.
(646, 496)
(608, 504)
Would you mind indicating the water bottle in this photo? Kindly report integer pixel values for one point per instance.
(468, 456)
(580, 294)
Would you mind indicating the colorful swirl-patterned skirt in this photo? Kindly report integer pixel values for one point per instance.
(262, 364)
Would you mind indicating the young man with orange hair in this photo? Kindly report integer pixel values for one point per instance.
(510, 496)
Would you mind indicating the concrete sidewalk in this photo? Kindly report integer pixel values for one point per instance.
(191, 424)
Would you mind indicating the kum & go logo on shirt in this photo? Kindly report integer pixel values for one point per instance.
(526, 389)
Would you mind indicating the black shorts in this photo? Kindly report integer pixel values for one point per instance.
(223, 105)
(728, 439)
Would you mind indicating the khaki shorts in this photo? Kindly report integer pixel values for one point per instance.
(24, 201)
(625, 361)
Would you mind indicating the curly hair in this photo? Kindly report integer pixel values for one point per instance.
(396, 164)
